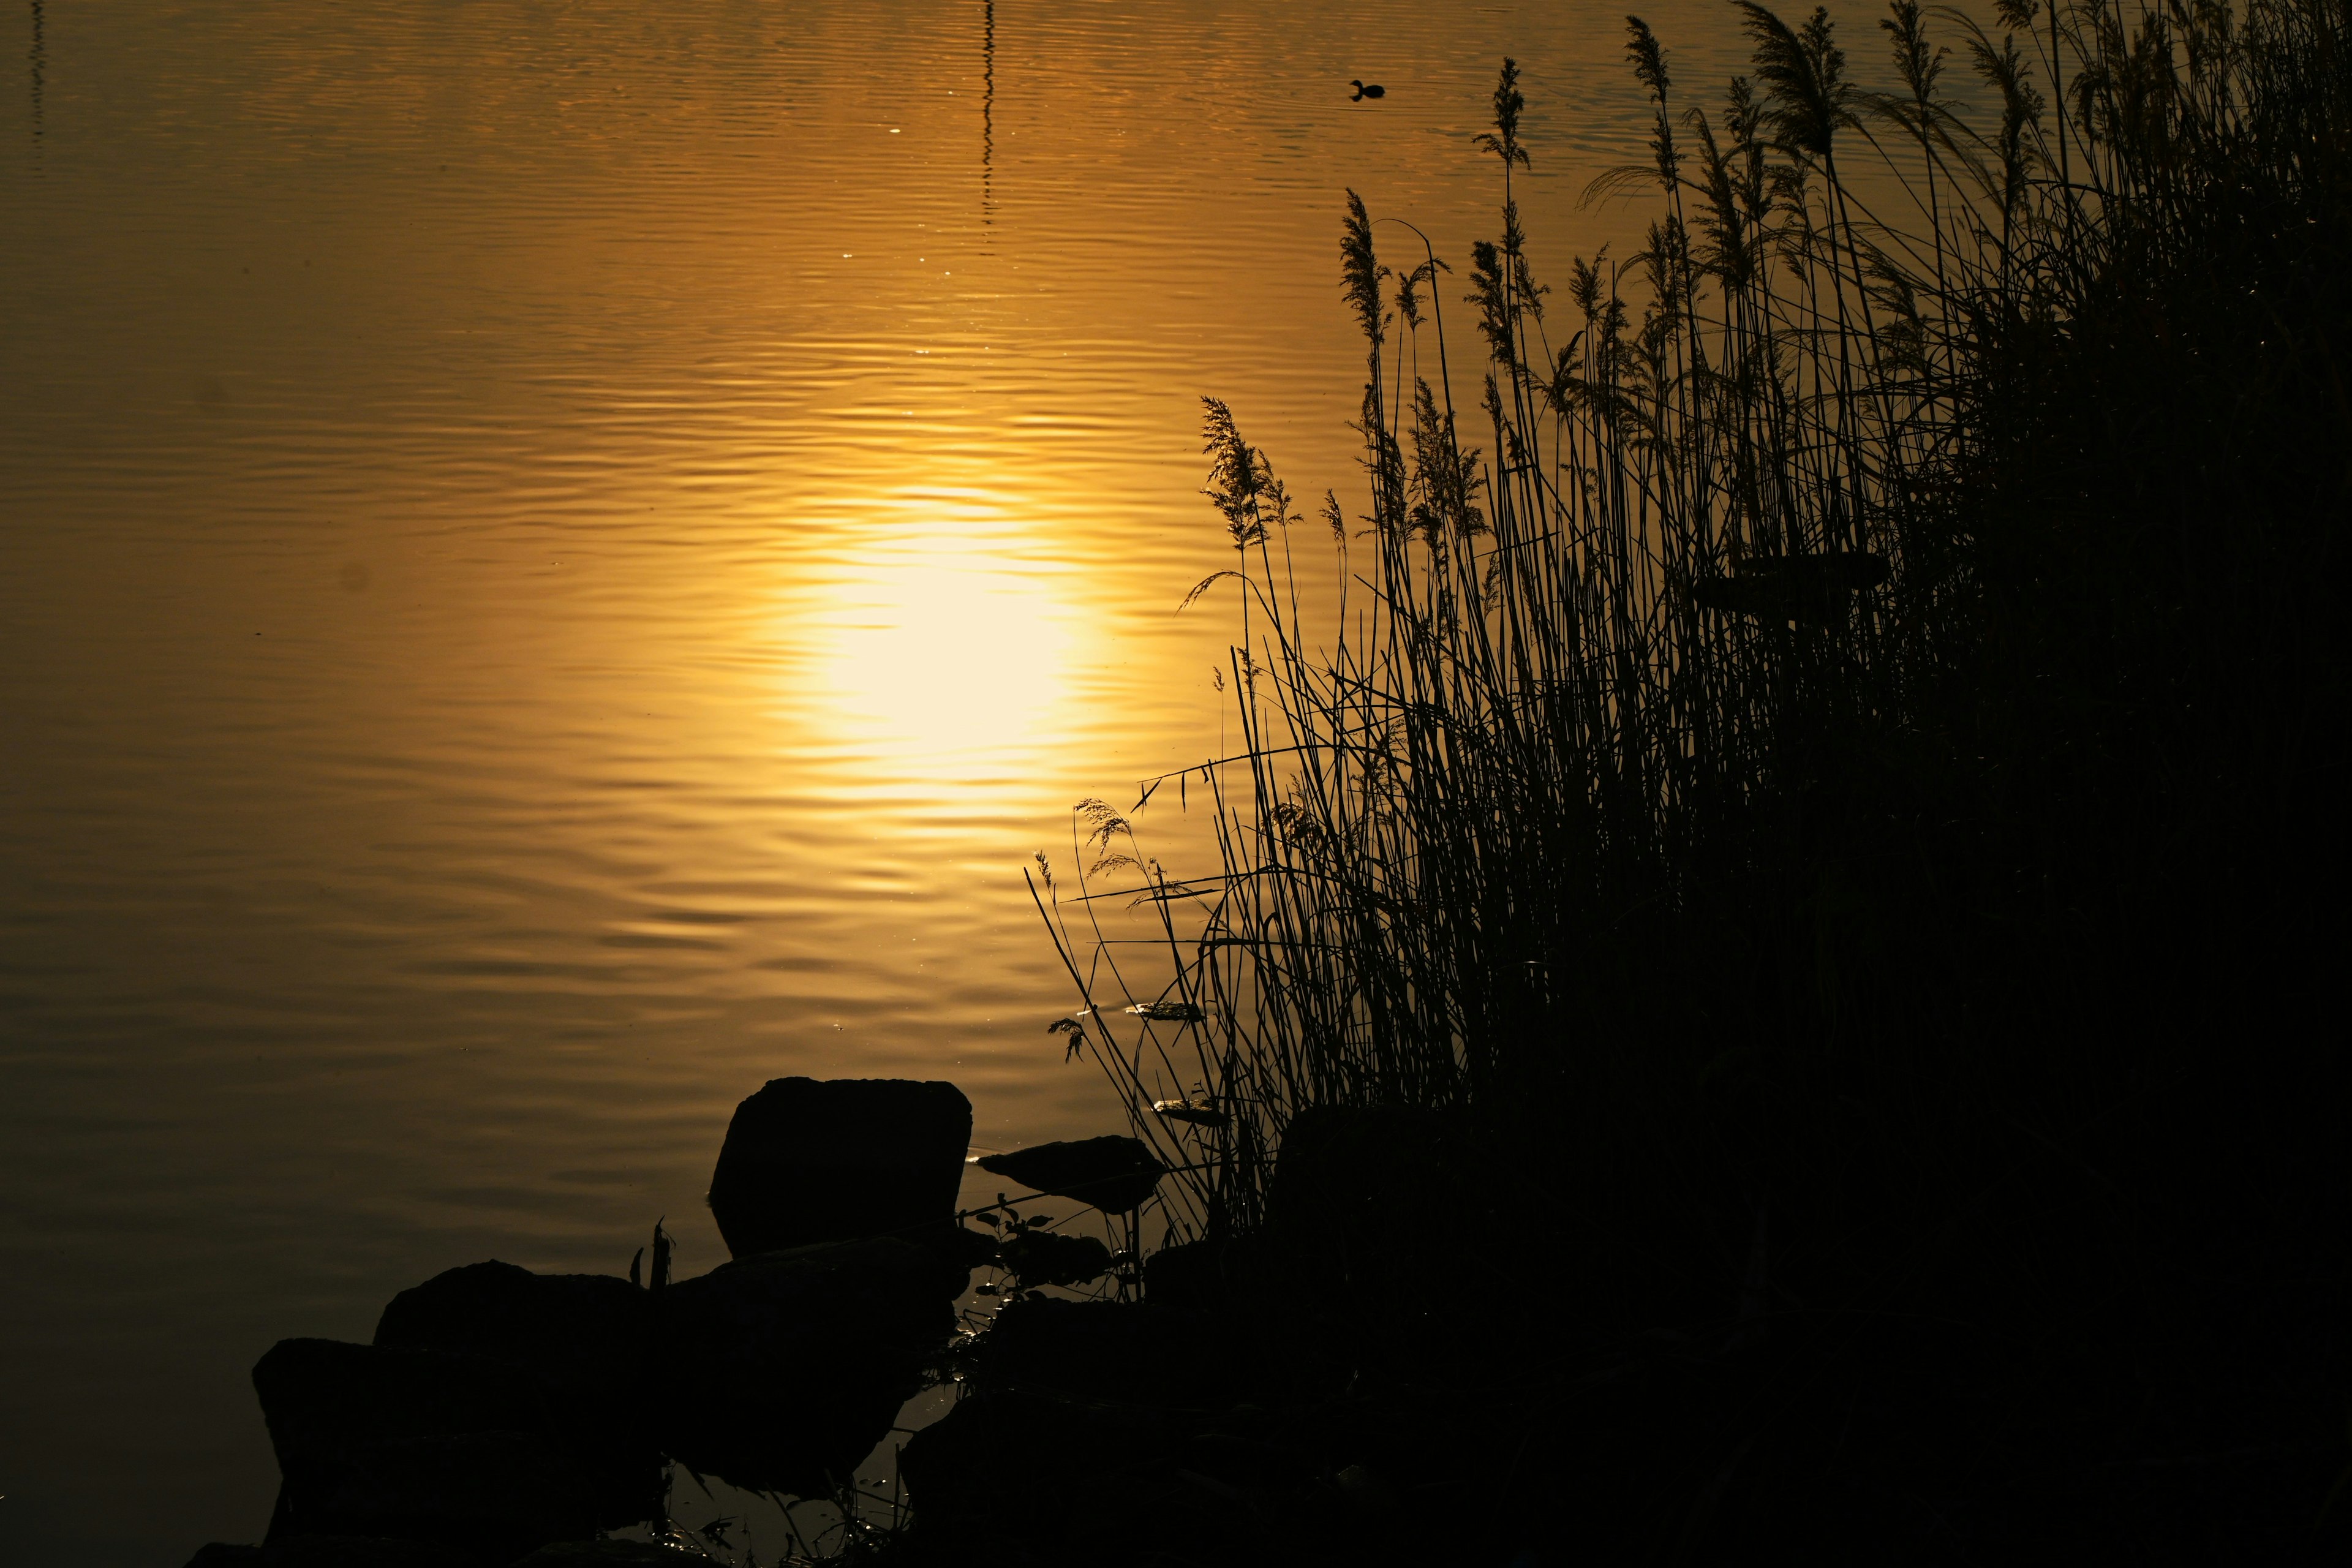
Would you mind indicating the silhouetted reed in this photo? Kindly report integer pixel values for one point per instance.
(1815, 732)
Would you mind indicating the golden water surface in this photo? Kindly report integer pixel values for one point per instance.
(556, 561)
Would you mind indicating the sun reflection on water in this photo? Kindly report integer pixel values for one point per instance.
(943, 645)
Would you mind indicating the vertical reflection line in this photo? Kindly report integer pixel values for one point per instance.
(987, 105)
(38, 59)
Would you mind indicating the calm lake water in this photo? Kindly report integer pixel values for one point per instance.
(556, 561)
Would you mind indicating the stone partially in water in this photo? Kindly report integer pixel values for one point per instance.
(809, 1160)
(783, 1371)
(587, 1337)
(1115, 1173)
(417, 1446)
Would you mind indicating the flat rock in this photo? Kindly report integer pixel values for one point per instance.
(1115, 1174)
(810, 1159)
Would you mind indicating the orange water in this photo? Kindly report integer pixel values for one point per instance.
(556, 561)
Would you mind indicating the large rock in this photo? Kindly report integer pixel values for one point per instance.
(782, 1371)
(417, 1446)
(588, 1338)
(809, 1161)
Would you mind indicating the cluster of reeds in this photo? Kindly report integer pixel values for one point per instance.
(1824, 797)
(1713, 541)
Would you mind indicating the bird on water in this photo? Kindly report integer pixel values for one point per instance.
(1363, 92)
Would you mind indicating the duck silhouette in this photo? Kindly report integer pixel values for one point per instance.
(1363, 92)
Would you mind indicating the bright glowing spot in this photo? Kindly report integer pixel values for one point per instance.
(928, 655)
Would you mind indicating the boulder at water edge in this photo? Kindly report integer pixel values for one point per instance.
(417, 1446)
(588, 1338)
(810, 1159)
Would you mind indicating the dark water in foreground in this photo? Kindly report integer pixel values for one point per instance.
(556, 561)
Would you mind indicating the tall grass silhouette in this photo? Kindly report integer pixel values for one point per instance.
(1769, 652)
(1814, 830)
(1830, 760)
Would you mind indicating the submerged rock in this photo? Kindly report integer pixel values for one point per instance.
(1115, 1174)
(416, 1445)
(588, 1338)
(810, 1161)
(782, 1371)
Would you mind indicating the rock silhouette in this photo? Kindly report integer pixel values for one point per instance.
(417, 1445)
(501, 1412)
(810, 1159)
(1114, 1173)
(587, 1338)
